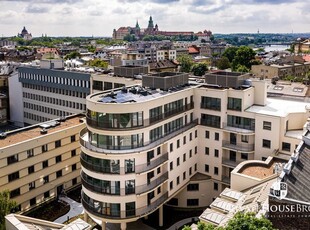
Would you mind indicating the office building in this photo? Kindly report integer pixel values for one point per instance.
(47, 92)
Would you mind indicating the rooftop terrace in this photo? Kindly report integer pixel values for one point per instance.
(261, 170)
(135, 94)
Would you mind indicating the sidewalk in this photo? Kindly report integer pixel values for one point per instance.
(179, 224)
(75, 209)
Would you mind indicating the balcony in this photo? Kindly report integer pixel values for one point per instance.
(210, 123)
(153, 184)
(153, 164)
(84, 141)
(139, 212)
(244, 129)
(146, 122)
(226, 180)
(99, 168)
(241, 147)
(230, 163)
(101, 189)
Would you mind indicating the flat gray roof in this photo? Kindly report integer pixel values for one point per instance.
(278, 107)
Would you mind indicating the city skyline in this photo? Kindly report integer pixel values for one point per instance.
(97, 18)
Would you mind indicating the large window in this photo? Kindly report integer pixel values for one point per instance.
(116, 142)
(156, 114)
(101, 186)
(173, 125)
(241, 122)
(156, 133)
(101, 165)
(130, 166)
(103, 208)
(173, 107)
(234, 104)
(211, 103)
(211, 120)
(117, 121)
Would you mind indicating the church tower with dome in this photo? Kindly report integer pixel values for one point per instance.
(25, 35)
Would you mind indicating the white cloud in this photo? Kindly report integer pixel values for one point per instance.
(99, 18)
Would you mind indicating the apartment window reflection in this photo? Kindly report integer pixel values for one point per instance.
(129, 187)
(130, 166)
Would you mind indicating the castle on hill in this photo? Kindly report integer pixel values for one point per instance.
(154, 30)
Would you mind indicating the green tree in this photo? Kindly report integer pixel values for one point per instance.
(242, 69)
(230, 53)
(6, 205)
(244, 56)
(186, 227)
(204, 226)
(73, 55)
(130, 38)
(199, 69)
(98, 63)
(223, 63)
(248, 221)
(186, 62)
(91, 49)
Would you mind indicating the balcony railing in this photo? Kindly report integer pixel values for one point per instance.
(244, 129)
(84, 141)
(146, 122)
(99, 168)
(139, 212)
(153, 164)
(121, 170)
(111, 190)
(230, 163)
(153, 184)
(226, 180)
(242, 147)
(210, 123)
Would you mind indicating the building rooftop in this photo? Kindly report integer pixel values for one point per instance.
(224, 207)
(30, 132)
(134, 94)
(258, 171)
(28, 223)
(286, 89)
(297, 180)
(279, 108)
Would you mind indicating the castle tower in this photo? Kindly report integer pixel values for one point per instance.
(151, 24)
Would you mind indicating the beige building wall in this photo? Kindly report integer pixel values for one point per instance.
(210, 149)
(23, 153)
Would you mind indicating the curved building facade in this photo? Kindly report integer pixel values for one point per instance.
(125, 151)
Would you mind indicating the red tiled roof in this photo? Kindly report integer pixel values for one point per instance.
(192, 50)
(306, 58)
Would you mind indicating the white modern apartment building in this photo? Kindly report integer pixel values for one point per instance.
(38, 162)
(169, 142)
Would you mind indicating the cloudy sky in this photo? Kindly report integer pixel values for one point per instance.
(100, 17)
